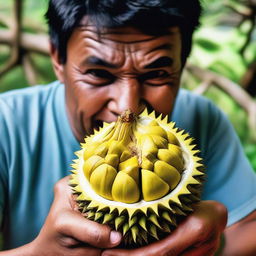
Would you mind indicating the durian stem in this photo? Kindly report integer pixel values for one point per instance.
(123, 126)
(122, 129)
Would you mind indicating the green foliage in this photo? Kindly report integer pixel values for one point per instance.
(218, 48)
(15, 79)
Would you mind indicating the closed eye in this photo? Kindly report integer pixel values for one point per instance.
(100, 73)
(155, 78)
(154, 74)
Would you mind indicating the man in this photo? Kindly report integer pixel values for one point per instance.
(111, 55)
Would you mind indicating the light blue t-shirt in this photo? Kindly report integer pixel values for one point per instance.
(37, 147)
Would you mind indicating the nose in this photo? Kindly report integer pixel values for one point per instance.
(128, 94)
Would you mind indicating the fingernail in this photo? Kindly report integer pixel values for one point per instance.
(115, 237)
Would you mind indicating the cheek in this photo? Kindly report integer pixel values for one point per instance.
(161, 98)
(82, 99)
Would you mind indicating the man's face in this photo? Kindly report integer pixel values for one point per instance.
(118, 70)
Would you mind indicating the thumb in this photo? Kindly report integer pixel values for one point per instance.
(72, 223)
(89, 232)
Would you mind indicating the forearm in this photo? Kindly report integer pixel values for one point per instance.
(240, 238)
(25, 250)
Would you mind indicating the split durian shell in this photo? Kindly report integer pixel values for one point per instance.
(140, 175)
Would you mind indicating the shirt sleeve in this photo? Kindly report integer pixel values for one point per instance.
(230, 178)
(3, 160)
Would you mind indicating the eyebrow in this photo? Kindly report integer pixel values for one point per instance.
(160, 63)
(93, 60)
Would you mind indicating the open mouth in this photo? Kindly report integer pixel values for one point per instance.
(97, 124)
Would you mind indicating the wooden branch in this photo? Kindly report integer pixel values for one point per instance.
(16, 29)
(15, 32)
(203, 87)
(6, 20)
(12, 63)
(34, 26)
(30, 42)
(21, 44)
(248, 81)
(29, 69)
(244, 11)
(231, 88)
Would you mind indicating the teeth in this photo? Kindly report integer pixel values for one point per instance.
(97, 124)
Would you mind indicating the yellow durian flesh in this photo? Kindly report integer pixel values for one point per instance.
(135, 167)
(102, 180)
(153, 187)
(142, 149)
(125, 189)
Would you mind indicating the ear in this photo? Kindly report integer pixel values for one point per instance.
(57, 65)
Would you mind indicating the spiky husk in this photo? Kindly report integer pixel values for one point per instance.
(144, 221)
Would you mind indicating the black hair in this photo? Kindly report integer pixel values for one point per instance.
(149, 16)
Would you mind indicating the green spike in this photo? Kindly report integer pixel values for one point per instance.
(142, 223)
(153, 231)
(84, 209)
(166, 216)
(98, 215)
(194, 198)
(154, 220)
(119, 221)
(144, 235)
(178, 211)
(107, 218)
(145, 112)
(80, 205)
(135, 232)
(139, 241)
(90, 215)
(169, 218)
(132, 221)
(125, 228)
(130, 238)
(187, 208)
(165, 119)
(165, 227)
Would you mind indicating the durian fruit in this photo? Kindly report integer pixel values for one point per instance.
(139, 175)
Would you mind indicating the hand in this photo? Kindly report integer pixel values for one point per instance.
(198, 234)
(67, 232)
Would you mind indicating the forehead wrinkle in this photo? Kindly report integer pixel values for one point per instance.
(122, 53)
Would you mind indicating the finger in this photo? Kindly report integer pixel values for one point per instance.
(125, 252)
(205, 249)
(73, 224)
(85, 251)
(63, 195)
(197, 228)
(174, 244)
